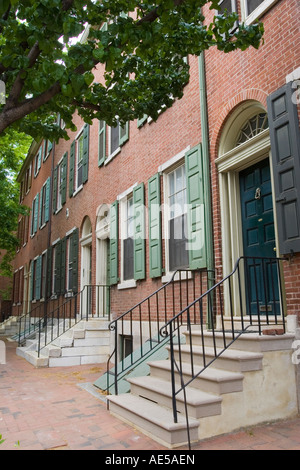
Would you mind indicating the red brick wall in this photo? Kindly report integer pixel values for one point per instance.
(252, 75)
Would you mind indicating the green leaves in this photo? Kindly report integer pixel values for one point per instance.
(143, 55)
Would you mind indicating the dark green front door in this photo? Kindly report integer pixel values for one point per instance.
(259, 239)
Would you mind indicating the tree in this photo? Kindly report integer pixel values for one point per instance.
(13, 149)
(141, 43)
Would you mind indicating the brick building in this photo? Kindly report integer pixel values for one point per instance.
(213, 180)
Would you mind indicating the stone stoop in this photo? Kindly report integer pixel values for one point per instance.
(87, 342)
(251, 382)
(9, 327)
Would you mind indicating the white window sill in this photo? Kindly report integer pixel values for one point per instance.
(112, 155)
(78, 190)
(131, 283)
(184, 275)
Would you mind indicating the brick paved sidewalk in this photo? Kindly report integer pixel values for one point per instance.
(54, 409)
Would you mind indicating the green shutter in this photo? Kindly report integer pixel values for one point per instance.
(36, 213)
(49, 273)
(102, 143)
(38, 278)
(71, 169)
(64, 181)
(63, 257)
(57, 268)
(39, 158)
(196, 208)
(123, 133)
(54, 195)
(139, 232)
(31, 280)
(155, 242)
(85, 168)
(47, 203)
(41, 208)
(74, 250)
(114, 234)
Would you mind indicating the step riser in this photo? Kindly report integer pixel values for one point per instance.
(172, 439)
(222, 362)
(210, 386)
(193, 411)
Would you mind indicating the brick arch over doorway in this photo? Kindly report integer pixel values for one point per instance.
(251, 94)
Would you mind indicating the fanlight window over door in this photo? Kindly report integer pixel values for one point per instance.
(253, 127)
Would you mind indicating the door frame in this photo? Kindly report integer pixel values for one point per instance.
(230, 163)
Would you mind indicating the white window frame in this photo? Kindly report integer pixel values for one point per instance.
(258, 12)
(123, 198)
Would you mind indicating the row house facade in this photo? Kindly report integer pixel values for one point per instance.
(230, 146)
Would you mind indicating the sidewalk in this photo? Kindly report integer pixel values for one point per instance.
(58, 409)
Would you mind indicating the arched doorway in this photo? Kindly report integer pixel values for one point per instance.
(246, 198)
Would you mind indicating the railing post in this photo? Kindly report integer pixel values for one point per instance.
(173, 375)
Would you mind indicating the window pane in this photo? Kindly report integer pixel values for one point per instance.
(128, 259)
(252, 5)
(178, 253)
(114, 138)
(225, 5)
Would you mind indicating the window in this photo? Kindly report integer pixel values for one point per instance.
(43, 205)
(34, 215)
(60, 184)
(229, 5)
(47, 149)
(177, 224)
(129, 210)
(128, 239)
(253, 9)
(117, 136)
(79, 161)
(28, 179)
(38, 161)
(65, 265)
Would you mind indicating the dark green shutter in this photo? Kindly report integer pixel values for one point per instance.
(38, 278)
(47, 202)
(36, 213)
(155, 242)
(114, 234)
(139, 232)
(41, 208)
(72, 169)
(123, 133)
(102, 143)
(85, 162)
(74, 250)
(49, 273)
(285, 147)
(64, 180)
(54, 195)
(57, 275)
(63, 258)
(196, 208)
(32, 280)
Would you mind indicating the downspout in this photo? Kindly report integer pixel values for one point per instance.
(206, 176)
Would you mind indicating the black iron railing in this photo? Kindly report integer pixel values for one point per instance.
(145, 319)
(92, 302)
(250, 298)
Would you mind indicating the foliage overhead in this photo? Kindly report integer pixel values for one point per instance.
(141, 43)
(13, 149)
